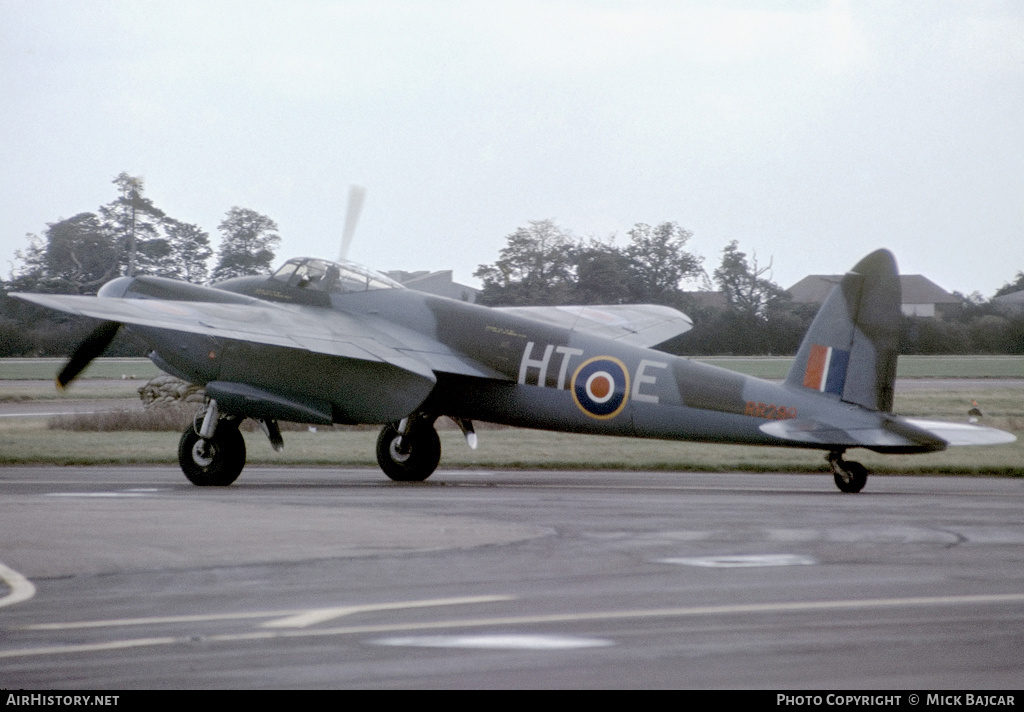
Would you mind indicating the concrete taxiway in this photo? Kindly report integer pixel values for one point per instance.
(121, 578)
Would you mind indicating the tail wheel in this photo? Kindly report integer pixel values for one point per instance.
(849, 476)
(412, 457)
(212, 462)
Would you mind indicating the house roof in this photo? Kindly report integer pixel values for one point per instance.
(440, 283)
(1013, 298)
(916, 288)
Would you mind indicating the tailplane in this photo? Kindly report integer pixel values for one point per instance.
(851, 348)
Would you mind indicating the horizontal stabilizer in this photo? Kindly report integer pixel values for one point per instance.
(957, 434)
(888, 433)
(635, 324)
(815, 433)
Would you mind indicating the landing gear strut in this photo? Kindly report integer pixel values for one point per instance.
(212, 454)
(849, 476)
(410, 450)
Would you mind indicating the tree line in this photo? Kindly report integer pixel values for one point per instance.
(747, 313)
(736, 307)
(130, 235)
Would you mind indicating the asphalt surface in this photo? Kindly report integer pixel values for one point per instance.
(131, 578)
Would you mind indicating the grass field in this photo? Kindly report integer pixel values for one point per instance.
(15, 369)
(45, 369)
(511, 448)
(33, 442)
(909, 366)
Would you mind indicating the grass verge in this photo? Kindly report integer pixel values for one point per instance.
(968, 366)
(32, 442)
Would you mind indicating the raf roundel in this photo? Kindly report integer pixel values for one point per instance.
(600, 387)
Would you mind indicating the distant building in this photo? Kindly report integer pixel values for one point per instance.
(1010, 303)
(921, 296)
(439, 283)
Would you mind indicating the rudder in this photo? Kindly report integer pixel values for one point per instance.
(850, 351)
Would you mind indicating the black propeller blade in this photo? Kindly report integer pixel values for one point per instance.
(93, 345)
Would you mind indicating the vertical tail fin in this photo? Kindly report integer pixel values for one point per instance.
(851, 348)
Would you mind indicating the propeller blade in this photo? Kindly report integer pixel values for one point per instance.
(93, 345)
(355, 204)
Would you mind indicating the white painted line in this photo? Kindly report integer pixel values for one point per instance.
(155, 620)
(293, 618)
(641, 614)
(743, 561)
(54, 413)
(91, 647)
(46, 415)
(94, 494)
(21, 588)
(497, 642)
(320, 615)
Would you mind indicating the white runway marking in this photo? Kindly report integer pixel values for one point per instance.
(95, 494)
(286, 619)
(743, 561)
(320, 615)
(505, 622)
(130, 492)
(45, 415)
(21, 588)
(497, 642)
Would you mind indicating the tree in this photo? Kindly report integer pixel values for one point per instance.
(745, 287)
(77, 257)
(248, 240)
(190, 249)
(535, 267)
(1010, 287)
(136, 225)
(603, 274)
(660, 263)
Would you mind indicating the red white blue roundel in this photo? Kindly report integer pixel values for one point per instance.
(600, 386)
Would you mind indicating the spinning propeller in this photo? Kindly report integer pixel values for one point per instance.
(92, 346)
(355, 204)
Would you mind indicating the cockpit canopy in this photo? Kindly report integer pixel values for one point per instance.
(332, 277)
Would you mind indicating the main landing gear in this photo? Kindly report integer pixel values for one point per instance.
(410, 450)
(212, 454)
(849, 476)
(211, 451)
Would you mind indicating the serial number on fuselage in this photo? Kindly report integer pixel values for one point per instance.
(601, 385)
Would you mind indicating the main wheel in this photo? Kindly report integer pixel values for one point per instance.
(214, 462)
(850, 476)
(412, 457)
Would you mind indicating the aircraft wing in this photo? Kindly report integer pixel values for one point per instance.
(888, 432)
(636, 324)
(333, 333)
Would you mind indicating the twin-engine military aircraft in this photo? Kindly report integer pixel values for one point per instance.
(325, 342)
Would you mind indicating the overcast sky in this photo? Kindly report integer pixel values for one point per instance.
(810, 132)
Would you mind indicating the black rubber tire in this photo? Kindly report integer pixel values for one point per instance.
(851, 477)
(222, 462)
(423, 453)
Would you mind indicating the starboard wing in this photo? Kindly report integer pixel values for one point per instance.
(636, 324)
(332, 333)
